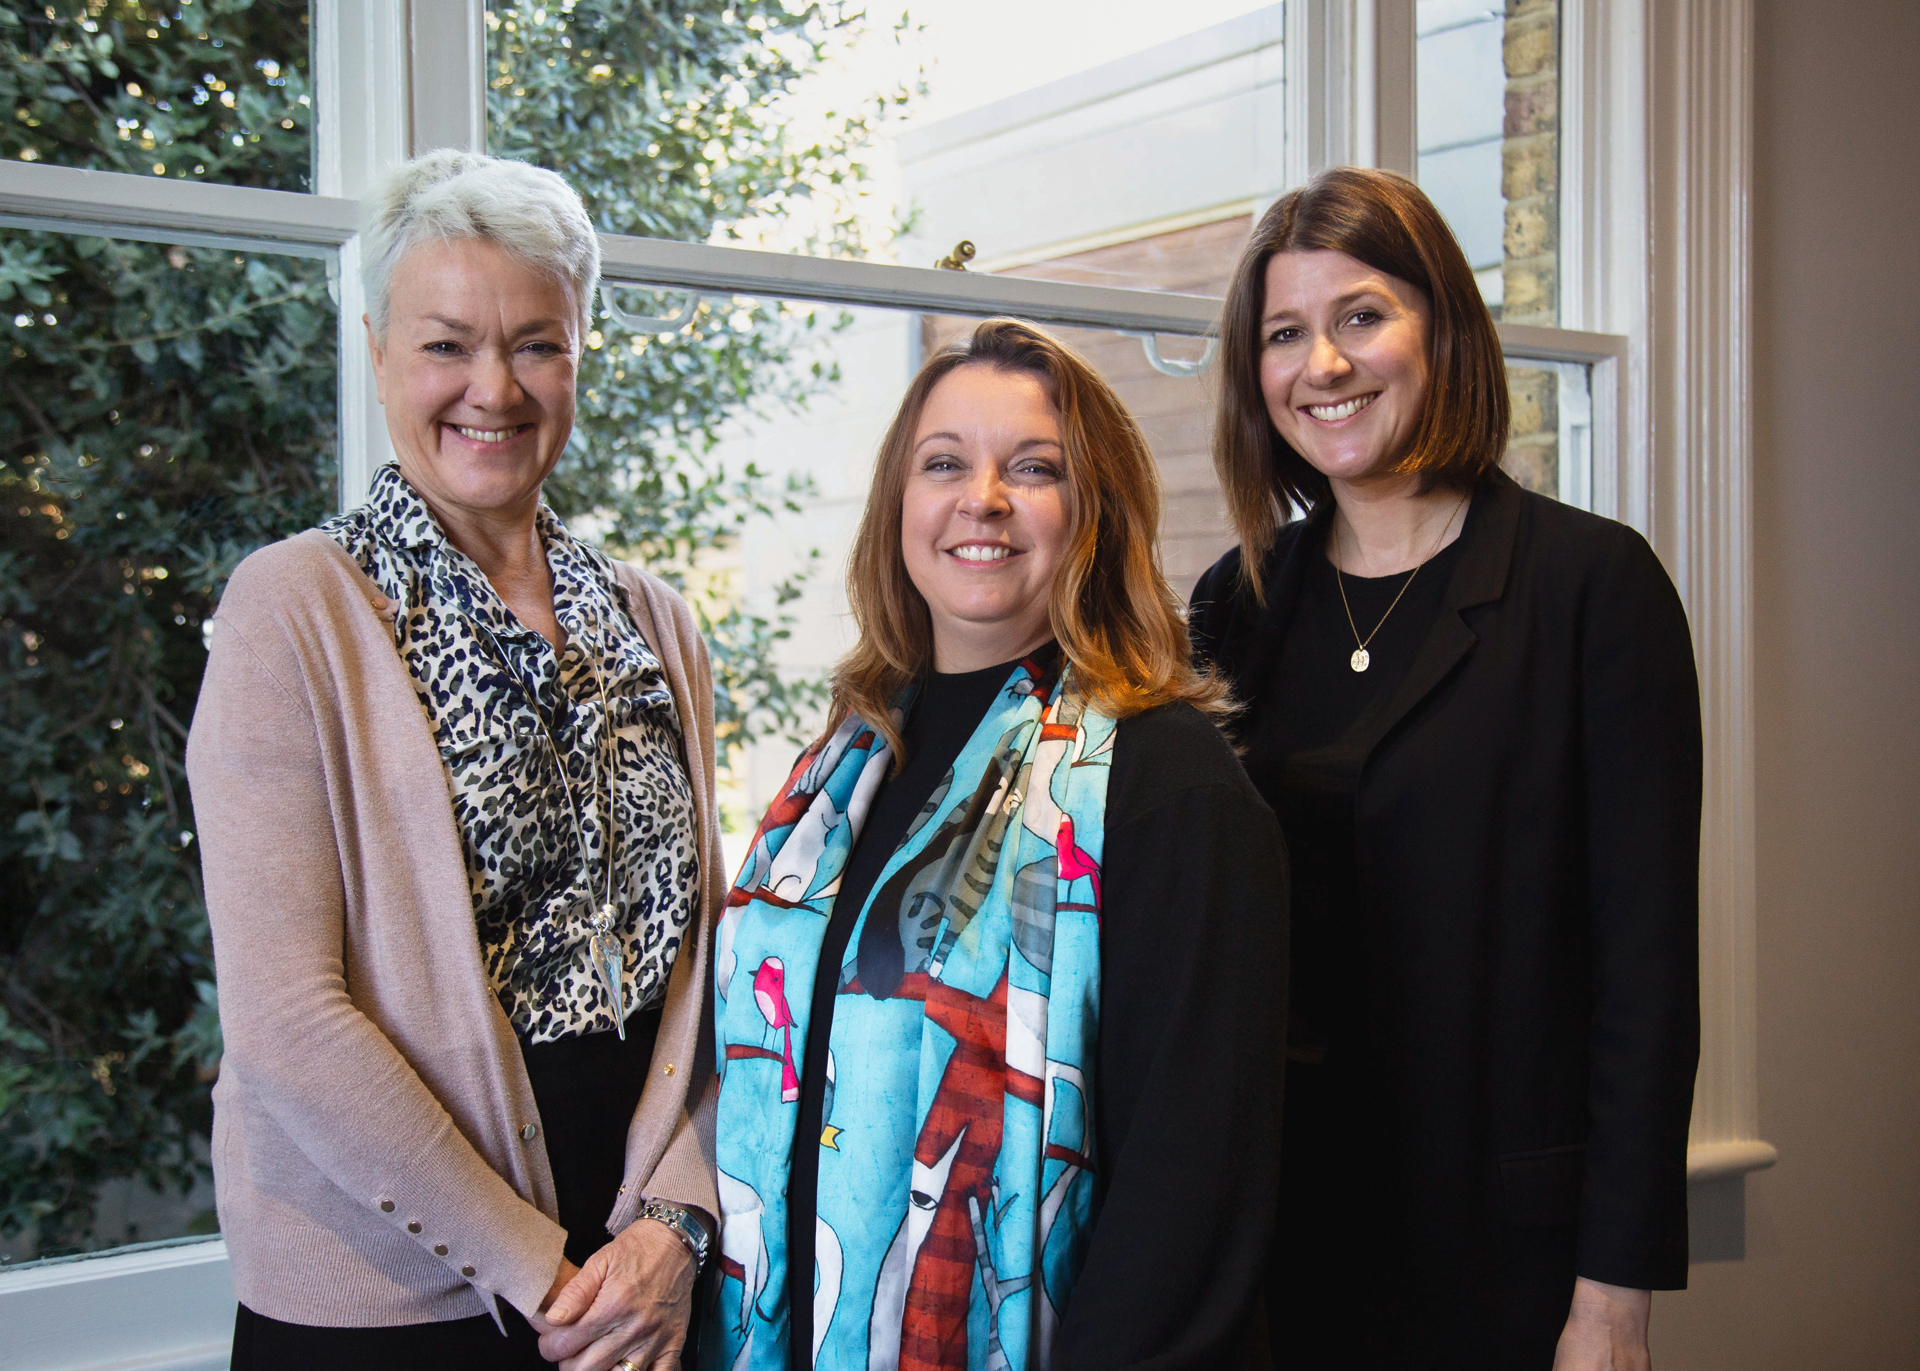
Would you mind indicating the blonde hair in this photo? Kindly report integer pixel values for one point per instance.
(1118, 622)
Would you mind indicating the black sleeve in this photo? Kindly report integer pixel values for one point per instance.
(1187, 1101)
(1207, 608)
(1643, 758)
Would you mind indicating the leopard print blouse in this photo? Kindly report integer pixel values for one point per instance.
(504, 708)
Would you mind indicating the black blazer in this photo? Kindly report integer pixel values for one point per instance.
(1528, 831)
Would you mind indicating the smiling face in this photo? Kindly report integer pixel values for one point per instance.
(1343, 362)
(477, 376)
(986, 514)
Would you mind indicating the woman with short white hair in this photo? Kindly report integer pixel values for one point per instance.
(453, 772)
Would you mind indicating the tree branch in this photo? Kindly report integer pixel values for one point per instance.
(159, 754)
(25, 401)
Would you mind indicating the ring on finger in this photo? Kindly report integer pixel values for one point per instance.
(627, 1364)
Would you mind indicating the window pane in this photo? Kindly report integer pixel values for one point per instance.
(198, 90)
(165, 410)
(1550, 447)
(1489, 120)
(887, 135)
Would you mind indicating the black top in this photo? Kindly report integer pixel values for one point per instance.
(1525, 881)
(1295, 756)
(588, 1088)
(1187, 1069)
(1294, 759)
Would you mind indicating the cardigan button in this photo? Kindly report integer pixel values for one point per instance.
(529, 1132)
(386, 1206)
(669, 1070)
(413, 1225)
(467, 1271)
(439, 1249)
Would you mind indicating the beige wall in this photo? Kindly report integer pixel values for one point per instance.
(1830, 1280)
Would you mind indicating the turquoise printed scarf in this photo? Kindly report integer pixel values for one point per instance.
(956, 1166)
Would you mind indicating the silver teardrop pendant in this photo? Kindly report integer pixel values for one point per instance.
(1361, 659)
(603, 950)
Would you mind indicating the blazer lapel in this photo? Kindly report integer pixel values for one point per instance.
(1479, 577)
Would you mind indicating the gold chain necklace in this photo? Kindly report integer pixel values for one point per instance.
(1361, 658)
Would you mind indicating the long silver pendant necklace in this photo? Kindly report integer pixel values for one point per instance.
(604, 952)
(1362, 659)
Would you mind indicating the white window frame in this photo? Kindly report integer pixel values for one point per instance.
(1656, 169)
(1656, 161)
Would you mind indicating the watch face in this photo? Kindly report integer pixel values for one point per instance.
(687, 1228)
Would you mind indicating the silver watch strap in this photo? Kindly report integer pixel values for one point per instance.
(691, 1232)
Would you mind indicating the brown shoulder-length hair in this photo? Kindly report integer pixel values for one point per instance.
(1117, 620)
(1386, 221)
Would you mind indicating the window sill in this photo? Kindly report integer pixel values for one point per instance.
(1716, 1161)
(163, 1308)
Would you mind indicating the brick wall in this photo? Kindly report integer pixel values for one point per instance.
(1530, 265)
(1533, 444)
(1530, 163)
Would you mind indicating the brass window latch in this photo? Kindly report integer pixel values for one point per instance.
(957, 259)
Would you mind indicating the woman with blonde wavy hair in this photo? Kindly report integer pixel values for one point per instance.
(1001, 981)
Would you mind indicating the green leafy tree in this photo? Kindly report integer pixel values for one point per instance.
(169, 408)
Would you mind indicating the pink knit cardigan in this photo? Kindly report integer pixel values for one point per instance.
(377, 1155)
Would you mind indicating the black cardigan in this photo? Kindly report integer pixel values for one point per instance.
(1193, 1012)
(1527, 824)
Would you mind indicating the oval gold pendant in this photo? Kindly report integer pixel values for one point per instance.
(1361, 659)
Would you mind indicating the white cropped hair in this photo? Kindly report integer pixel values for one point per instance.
(447, 194)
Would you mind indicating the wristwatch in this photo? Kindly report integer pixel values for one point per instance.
(685, 1227)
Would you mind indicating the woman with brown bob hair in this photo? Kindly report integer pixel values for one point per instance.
(1001, 981)
(1474, 710)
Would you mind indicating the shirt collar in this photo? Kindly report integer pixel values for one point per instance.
(400, 514)
(553, 534)
(397, 509)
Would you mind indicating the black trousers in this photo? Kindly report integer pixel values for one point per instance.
(587, 1088)
(470, 1344)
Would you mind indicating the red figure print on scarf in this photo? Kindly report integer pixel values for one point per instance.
(967, 1108)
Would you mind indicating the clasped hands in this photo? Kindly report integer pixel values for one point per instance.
(631, 1300)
